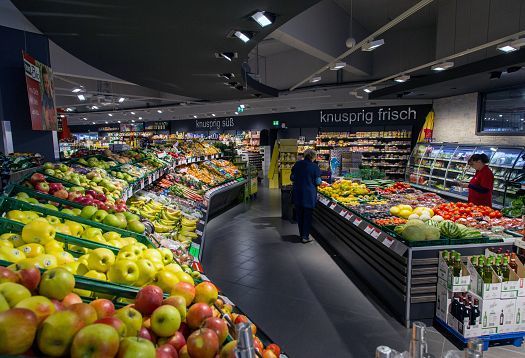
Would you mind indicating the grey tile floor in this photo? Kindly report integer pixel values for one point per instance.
(296, 293)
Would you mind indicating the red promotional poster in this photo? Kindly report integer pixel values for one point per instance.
(41, 94)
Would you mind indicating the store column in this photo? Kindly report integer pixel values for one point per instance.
(14, 104)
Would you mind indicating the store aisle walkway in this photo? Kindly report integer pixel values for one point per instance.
(295, 292)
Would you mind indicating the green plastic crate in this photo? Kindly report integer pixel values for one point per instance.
(14, 189)
(7, 204)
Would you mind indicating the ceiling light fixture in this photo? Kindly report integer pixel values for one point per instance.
(106, 122)
(402, 78)
(227, 55)
(94, 107)
(84, 118)
(511, 46)
(442, 66)
(132, 121)
(81, 97)
(132, 113)
(241, 36)
(338, 66)
(372, 45)
(315, 79)
(76, 90)
(93, 122)
(140, 117)
(118, 121)
(263, 18)
(159, 111)
(369, 89)
(236, 113)
(121, 99)
(194, 116)
(109, 114)
(213, 114)
(68, 109)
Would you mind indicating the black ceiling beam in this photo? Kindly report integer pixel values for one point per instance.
(482, 66)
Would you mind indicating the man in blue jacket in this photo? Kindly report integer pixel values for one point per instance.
(306, 176)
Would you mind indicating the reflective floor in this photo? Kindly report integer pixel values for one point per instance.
(296, 293)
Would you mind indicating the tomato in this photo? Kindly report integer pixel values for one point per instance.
(446, 217)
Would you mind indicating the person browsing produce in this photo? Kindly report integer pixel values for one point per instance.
(481, 185)
(306, 176)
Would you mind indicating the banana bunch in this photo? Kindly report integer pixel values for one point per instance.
(187, 229)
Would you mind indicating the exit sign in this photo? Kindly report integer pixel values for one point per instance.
(276, 123)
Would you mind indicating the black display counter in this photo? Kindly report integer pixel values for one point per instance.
(402, 278)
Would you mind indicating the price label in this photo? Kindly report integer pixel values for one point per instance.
(343, 212)
(198, 232)
(202, 222)
(375, 233)
(369, 229)
(142, 183)
(333, 206)
(204, 277)
(388, 241)
(150, 179)
(357, 221)
(349, 217)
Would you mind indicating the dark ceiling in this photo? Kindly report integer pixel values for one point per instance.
(164, 45)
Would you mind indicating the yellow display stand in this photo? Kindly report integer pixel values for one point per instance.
(284, 156)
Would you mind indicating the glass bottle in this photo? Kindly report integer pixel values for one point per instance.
(497, 268)
(505, 270)
(474, 313)
(513, 264)
(487, 272)
(456, 269)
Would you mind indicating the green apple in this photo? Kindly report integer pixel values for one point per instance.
(124, 271)
(4, 306)
(122, 220)
(147, 272)
(95, 340)
(131, 248)
(13, 293)
(165, 280)
(99, 216)
(57, 283)
(167, 255)
(77, 211)
(56, 334)
(131, 347)
(165, 320)
(136, 226)
(93, 234)
(68, 212)
(77, 188)
(112, 220)
(22, 195)
(154, 256)
(131, 318)
(41, 306)
(88, 211)
(101, 259)
(53, 220)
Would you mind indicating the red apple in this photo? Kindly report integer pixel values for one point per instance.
(183, 352)
(219, 326)
(29, 277)
(62, 194)
(185, 290)
(17, 330)
(185, 329)
(166, 351)
(197, 314)
(58, 305)
(148, 299)
(6, 275)
(147, 334)
(274, 348)
(96, 340)
(71, 299)
(42, 187)
(206, 292)
(103, 307)
(115, 323)
(177, 340)
(37, 178)
(203, 343)
(243, 319)
(86, 312)
(135, 347)
(179, 303)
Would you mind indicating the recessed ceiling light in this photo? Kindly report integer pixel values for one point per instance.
(93, 122)
(263, 18)
(236, 113)
(442, 66)
(76, 90)
(315, 79)
(338, 66)
(132, 113)
(501, 115)
(106, 122)
(402, 78)
(62, 116)
(84, 118)
(372, 45)
(369, 89)
(241, 36)
(213, 114)
(68, 109)
(511, 46)
(227, 56)
(109, 114)
(159, 111)
(132, 121)
(140, 117)
(121, 99)
(81, 97)
(94, 107)
(118, 121)
(194, 116)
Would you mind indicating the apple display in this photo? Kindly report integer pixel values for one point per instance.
(147, 334)
(228, 350)
(57, 283)
(206, 292)
(185, 277)
(185, 290)
(148, 299)
(177, 340)
(131, 318)
(14, 292)
(203, 343)
(7, 275)
(219, 326)
(101, 259)
(165, 321)
(147, 272)
(95, 341)
(71, 299)
(56, 333)
(165, 280)
(183, 352)
(41, 306)
(85, 311)
(17, 341)
(115, 323)
(179, 303)
(124, 271)
(4, 306)
(133, 347)
(103, 307)
(166, 351)
(197, 314)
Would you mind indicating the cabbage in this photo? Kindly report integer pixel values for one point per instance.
(414, 233)
(413, 216)
(432, 233)
(425, 217)
(437, 218)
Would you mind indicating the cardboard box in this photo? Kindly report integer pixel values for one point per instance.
(455, 284)
(507, 316)
(511, 288)
(486, 291)
(519, 320)
(490, 315)
(444, 300)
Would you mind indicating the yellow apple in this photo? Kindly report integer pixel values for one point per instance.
(5, 243)
(124, 271)
(135, 250)
(64, 258)
(167, 255)
(147, 272)
(75, 228)
(184, 277)
(101, 259)
(63, 229)
(16, 239)
(38, 231)
(111, 235)
(32, 250)
(71, 267)
(27, 263)
(53, 247)
(11, 255)
(40, 305)
(141, 246)
(173, 267)
(115, 243)
(131, 318)
(57, 332)
(155, 257)
(96, 275)
(165, 280)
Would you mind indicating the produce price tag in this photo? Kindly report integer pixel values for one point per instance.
(333, 206)
(369, 229)
(357, 221)
(202, 222)
(388, 241)
(150, 179)
(226, 300)
(349, 217)
(343, 212)
(198, 232)
(204, 277)
(375, 233)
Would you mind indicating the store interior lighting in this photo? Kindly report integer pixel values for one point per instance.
(94, 107)
(338, 66)
(372, 45)
(213, 114)
(195, 116)
(132, 121)
(121, 99)
(84, 118)
(402, 78)
(315, 79)
(369, 89)
(76, 90)
(159, 111)
(68, 109)
(226, 55)
(140, 117)
(241, 36)
(263, 18)
(132, 113)
(236, 113)
(81, 97)
(511, 46)
(442, 66)
(109, 114)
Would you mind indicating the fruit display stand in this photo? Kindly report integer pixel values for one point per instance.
(402, 277)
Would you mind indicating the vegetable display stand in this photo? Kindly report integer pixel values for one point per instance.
(402, 277)
(514, 338)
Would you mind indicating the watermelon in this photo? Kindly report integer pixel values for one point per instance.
(432, 223)
(450, 230)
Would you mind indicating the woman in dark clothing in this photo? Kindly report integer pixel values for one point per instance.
(482, 184)
(305, 176)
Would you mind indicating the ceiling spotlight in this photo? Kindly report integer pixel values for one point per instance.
(93, 122)
(68, 109)
(263, 18)
(372, 45)
(106, 122)
(121, 99)
(226, 55)
(511, 46)
(132, 121)
(442, 66)
(84, 118)
(236, 113)
(109, 114)
(338, 66)
(62, 116)
(213, 114)
(81, 97)
(159, 111)
(118, 121)
(76, 90)
(315, 79)
(369, 89)
(140, 117)
(132, 113)
(402, 78)
(94, 107)
(194, 116)
(241, 36)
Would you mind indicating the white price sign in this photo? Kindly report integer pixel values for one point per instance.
(357, 221)
(388, 241)
(375, 233)
(349, 217)
(333, 206)
(343, 213)
(369, 229)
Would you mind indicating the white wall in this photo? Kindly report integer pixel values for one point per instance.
(455, 121)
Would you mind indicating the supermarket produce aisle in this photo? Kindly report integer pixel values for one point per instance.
(296, 293)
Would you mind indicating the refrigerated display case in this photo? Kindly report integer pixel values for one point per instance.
(439, 167)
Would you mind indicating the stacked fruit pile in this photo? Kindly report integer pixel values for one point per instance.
(94, 162)
(129, 173)
(348, 192)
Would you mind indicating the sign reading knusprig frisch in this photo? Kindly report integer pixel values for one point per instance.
(369, 116)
